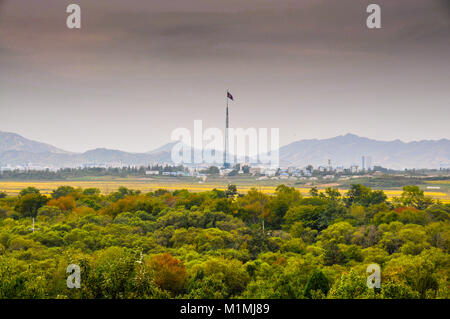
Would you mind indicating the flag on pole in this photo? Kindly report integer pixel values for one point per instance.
(230, 96)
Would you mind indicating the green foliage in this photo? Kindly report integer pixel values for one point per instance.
(364, 196)
(412, 196)
(29, 190)
(63, 191)
(231, 191)
(217, 245)
(317, 281)
(91, 192)
(29, 203)
(307, 214)
(351, 285)
(285, 197)
(109, 274)
(49, 211)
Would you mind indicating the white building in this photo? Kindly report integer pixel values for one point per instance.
(270, 172)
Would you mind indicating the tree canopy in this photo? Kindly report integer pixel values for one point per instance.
(223, 244)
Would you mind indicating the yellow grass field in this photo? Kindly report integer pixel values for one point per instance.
(108, 186)
(438, 182)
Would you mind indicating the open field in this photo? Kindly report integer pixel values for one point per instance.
(438, 182)
(152, 184)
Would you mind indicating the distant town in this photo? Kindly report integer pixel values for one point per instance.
(301, 175)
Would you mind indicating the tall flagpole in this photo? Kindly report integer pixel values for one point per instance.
(225, 164)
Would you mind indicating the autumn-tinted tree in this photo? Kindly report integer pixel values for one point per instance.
(65, 203)
(169, 272)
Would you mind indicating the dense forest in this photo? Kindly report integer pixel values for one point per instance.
(222, 244)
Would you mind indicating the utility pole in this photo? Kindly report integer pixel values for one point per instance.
(262, 210)
(33, 228)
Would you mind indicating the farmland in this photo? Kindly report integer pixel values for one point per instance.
(108, 185)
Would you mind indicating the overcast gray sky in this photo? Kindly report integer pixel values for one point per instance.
(139, 69)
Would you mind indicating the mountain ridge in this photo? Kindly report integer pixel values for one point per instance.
(348, 149)
(343, 150)
(13, 141)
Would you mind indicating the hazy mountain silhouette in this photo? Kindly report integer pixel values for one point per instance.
(348, 149)
(15, 142)
(341, 150)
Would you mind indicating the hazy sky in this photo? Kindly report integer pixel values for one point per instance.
(139, 69)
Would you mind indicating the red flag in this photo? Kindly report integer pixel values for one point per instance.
(230, 96)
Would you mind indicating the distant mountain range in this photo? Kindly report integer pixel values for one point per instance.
(344, 150)
(348, 149)
(16, 150)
